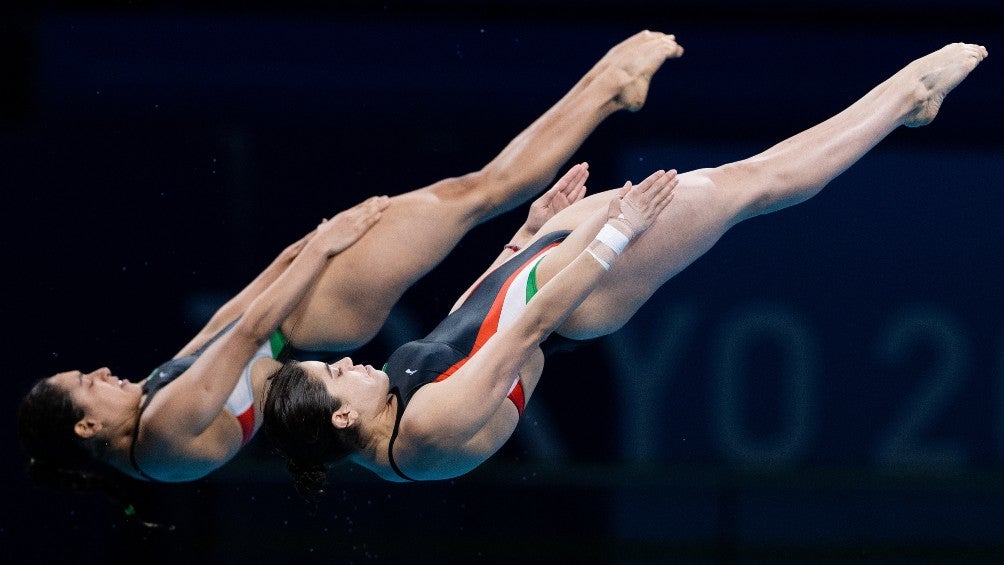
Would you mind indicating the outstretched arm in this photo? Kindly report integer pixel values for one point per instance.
(447, 412)
(568, 190)
(195, 399)
(236, 306)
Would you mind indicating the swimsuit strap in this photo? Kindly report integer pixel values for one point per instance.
(393, 436)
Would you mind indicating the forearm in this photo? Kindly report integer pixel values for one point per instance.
(488, 374)
(557, 299)
(212, 378)
(569, 189)
(236, 306)
(518, 241)
(570, 286)
(198, 395)
(274, 295)
(262, 316)
(522, 237)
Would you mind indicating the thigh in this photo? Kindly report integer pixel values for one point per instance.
(357, 289)
(700, 213)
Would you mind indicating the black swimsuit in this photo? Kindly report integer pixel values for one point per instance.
(459, 336)
(166, 373)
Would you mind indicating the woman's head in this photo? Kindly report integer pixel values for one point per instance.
(45, 426)
(299, 414)
(62, 458)
(68, 419)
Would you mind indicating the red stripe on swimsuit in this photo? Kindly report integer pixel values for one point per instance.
(489, 327)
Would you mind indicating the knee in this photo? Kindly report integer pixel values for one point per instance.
(481, 192)
(492, 187)
(752, 187)
(460, 191)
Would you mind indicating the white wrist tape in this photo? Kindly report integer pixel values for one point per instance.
(608, 244)
(612, 238)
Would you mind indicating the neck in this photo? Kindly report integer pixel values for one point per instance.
(373, 453)
(119, 439)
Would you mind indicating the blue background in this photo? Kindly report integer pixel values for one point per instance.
(825, 385)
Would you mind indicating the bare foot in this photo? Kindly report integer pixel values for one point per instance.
(938, 73)
(630, 65)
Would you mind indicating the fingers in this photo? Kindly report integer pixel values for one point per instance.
(376, 202)
(570, 188)
(665, 184)
(569, 196)
(664, 190)
(639, 205)
(660, 184)
(364, 214)
(651, 180)
(661, 191)
(572, 180)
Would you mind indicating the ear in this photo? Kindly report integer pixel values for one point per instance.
(344, 418)
(87, 428)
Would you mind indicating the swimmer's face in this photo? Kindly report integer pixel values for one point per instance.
(360, 388)
(99, 394)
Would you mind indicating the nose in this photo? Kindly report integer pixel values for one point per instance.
(342, 364)
(102, 373)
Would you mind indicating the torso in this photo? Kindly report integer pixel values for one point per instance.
(495, 301)
(159, 459)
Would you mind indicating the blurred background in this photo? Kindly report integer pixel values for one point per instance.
(826, 385)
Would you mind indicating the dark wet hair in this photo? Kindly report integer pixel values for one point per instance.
(59, 459)
(297, 418)
(45, 421)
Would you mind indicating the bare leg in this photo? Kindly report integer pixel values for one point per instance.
(360, 286)
(708, 202)
(530, 162)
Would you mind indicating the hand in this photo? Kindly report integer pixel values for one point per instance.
(569, 189)
(341, 231)
(637, 206)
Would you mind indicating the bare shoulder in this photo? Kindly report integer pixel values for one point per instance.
(419, 426)
(424, 452)
(171, 456)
